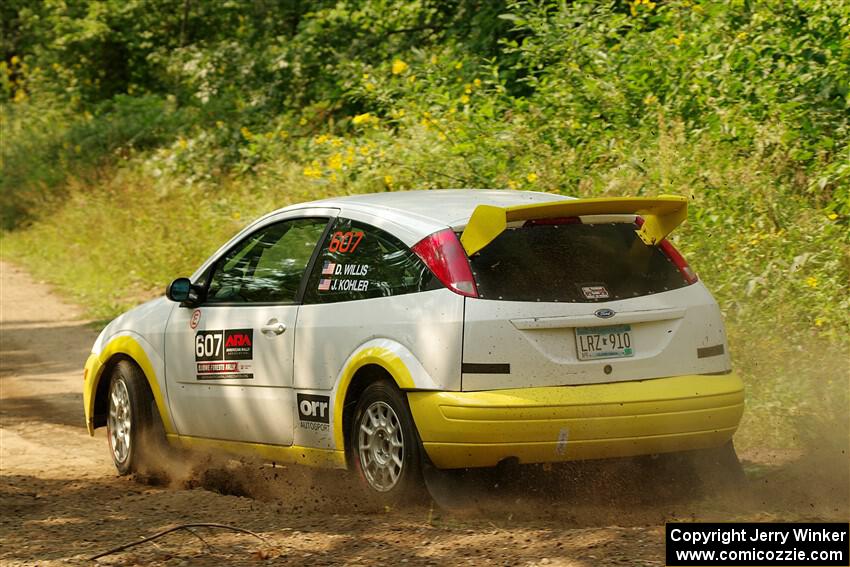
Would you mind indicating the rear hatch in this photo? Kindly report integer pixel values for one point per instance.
(582, 300)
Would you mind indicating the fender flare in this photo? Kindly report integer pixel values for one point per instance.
(404, 368)
(133, 348)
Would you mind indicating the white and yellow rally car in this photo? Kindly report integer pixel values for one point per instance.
(457, 328)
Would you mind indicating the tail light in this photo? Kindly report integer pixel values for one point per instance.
(445, 257)
(675, 256)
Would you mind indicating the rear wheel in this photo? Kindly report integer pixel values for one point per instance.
(133, 439)
(384, 445)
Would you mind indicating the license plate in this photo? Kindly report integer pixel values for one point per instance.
(604, 342)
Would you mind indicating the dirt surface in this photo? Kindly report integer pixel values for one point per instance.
(62, 502)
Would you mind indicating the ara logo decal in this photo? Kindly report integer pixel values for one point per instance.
(238, 344)
(238, 340)
(604, 313)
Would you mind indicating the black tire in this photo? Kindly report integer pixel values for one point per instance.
(134, 439)
(377, 466)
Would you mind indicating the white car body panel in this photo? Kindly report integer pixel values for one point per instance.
(538, 339)
(257, 409)
(331, 336)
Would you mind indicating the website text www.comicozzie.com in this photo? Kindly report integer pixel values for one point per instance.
(823, 544)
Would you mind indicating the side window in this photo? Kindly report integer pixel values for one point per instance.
(267, 266)
(359, 261)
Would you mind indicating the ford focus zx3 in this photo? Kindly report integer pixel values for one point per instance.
(452, 329)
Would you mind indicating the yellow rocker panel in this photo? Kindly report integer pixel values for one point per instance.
(660, 214)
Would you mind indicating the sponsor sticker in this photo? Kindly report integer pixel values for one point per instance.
(314, 411)
(595, 291)
(196, 318)
(225, 354)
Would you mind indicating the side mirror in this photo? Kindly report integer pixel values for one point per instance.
(181, 290)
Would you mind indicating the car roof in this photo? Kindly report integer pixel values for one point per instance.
(437, 207)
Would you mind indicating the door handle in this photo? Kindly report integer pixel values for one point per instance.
(272, 328)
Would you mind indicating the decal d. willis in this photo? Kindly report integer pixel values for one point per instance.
(224, 355)
(314, 412)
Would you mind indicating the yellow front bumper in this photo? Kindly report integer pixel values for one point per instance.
(566, 423)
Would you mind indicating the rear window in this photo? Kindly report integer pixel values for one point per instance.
(572, 263)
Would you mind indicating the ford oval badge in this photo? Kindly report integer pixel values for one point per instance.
(604, 313)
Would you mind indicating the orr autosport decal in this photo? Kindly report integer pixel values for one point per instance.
(314, 412)
(224, 355)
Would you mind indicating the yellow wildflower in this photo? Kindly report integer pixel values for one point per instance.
(364, 151)
(477, 82)
(441, 136)
(650, 99)
(532, 177)
(335, 161)
(458, 65)
(399, 67)
(313, 170)
(812, 282)
(246, 133)
(321, 139)
(464, 99)
(370, 86)
(182, 143)
(832, 216)
(388, 180)
(15, 60)
(411, 79)
(677, 41)
(361, 119)
(365, 76)
(819, 321)
(512, 184)
(302, 122)
(433, 60)
(219, 124)
(283, 134)
(742, 35)
(20, 95)
(467, 88)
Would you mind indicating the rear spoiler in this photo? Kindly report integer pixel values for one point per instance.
(660, 214)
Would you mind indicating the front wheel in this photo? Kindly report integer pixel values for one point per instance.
(129, 423)
(384, 444)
